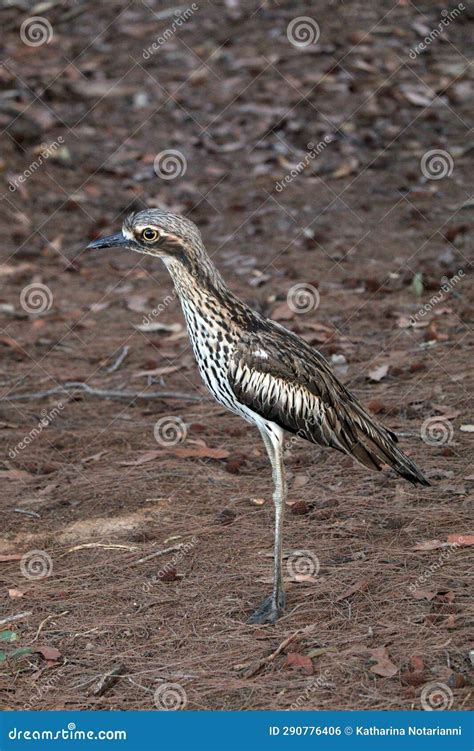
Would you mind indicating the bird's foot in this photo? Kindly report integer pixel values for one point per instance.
(270, 610)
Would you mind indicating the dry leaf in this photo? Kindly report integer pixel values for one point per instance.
(49, 653)
(302, 662)
(461, 539)
(283, 313)
(14, 474)
(360, 586)
(15, 593)
(384, 666)
(346, 168)
(429, 545)
(376, 374)
(423, 594)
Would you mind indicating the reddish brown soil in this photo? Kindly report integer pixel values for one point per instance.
(360, 223)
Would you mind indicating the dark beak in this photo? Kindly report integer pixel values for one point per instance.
(112, 241)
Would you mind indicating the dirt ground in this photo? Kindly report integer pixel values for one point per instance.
(152, 553)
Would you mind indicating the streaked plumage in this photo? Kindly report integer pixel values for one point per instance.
(260, 370)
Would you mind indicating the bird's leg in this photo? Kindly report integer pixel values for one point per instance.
(271, 608)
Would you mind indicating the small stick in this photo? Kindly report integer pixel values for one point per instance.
(121, 357)
(101, 393)
(48, 618)
(17, 617)
(171, 549)
(107, 680)
(249, 670)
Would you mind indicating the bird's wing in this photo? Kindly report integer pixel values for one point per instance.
(281, 378)
(281, 385)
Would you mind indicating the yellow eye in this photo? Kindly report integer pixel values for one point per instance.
(149, 235)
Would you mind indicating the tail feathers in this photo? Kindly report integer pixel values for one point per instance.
(376, 446)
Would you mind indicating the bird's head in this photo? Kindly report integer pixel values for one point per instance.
(156, 233)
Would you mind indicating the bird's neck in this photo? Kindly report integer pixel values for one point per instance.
(196, 279)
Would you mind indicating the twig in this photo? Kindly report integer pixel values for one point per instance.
(101, 393)
(28, 513)
(17, 617)
(108, 546)
(48, 618)
(121, 357)
(248, 670)
(107, 680)
(171, 549)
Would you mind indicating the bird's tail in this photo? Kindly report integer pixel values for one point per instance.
(375, 446)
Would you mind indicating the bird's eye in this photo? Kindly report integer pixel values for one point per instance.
(149, 235)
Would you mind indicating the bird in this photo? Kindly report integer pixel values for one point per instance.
(259, 370)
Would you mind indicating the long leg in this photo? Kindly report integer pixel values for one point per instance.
(271, 608)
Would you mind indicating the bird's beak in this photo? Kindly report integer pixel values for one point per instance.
(112, 241)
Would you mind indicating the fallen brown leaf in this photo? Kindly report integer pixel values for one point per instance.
(49, 653)
(360, 586)
(384, 666)
(301, 662)
(461, 539)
